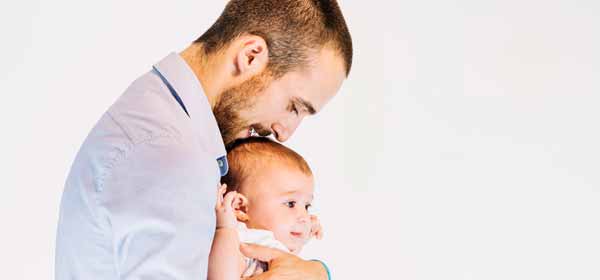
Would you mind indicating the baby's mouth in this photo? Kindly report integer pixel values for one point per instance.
(297, 234)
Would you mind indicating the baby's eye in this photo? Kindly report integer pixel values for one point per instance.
(307, 206)
(290, 204)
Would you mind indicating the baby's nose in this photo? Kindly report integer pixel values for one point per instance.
(303, 218)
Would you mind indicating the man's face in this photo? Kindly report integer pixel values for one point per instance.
(279, 197)
(277, 107)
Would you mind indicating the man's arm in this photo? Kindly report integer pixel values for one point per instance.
(159, 201)
(284, 266)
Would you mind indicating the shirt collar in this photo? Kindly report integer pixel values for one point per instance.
(185, 83)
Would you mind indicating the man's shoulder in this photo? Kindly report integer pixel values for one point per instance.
(109, 153)
(144, 115)
(147, 110)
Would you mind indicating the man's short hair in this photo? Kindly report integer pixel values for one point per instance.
(291, 29)
(247, 155)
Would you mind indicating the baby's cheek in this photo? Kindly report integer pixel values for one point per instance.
(283, 235)
(280, 233)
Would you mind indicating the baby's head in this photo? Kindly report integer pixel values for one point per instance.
(278, 184)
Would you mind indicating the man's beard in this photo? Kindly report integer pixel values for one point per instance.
(238, 99)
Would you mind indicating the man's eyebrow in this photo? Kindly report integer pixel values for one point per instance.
(307, 106)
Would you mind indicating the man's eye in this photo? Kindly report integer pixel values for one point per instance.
(290, 204)
(295, 110)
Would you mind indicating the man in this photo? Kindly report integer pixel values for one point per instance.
(139, 199)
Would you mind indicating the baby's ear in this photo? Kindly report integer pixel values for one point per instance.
(240, 207)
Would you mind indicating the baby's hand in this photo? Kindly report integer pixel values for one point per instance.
(225, 207)
(316, 230)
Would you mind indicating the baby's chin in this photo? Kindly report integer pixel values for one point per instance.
(295, 251)
(294, 247)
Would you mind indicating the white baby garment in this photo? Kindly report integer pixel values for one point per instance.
(259, 237)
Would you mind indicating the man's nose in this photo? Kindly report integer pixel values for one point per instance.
(284, 131)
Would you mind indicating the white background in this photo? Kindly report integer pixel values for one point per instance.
(464, 145)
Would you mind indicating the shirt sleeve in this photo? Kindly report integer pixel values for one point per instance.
(159, 202)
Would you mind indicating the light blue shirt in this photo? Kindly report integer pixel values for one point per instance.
(139, 199)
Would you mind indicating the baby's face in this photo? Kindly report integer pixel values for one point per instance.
(278, 200)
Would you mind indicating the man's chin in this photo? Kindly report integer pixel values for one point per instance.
(243, 134)
(246, 133)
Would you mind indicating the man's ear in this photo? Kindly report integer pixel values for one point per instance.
(240, 208)
(252, 56)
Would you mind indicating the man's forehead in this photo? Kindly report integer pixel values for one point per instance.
(312, 89)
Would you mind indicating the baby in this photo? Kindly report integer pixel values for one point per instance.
(264, 200)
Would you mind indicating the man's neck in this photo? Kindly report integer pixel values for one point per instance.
(205, 70)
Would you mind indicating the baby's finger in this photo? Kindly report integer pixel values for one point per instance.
(316, 232)
(228, 200)
(314, 219)
(320, 233)
(222, 190)
(316, 228)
